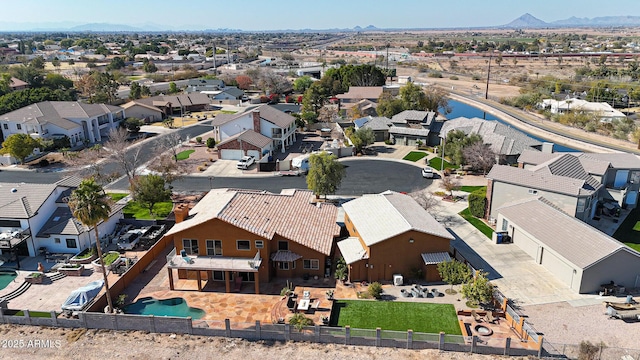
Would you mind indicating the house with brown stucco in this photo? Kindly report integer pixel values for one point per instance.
(250, 236)
(390, 233)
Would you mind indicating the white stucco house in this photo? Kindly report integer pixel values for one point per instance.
(50, 119)
(604, 111)
(36, 216)
(266, 121)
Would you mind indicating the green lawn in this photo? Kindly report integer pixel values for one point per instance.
(184, 155)
(477, 223)
(414, 156)
(395, 315)
(436, 163)
(117, 196)
(470, 189)
(629, 230)
(137, 211)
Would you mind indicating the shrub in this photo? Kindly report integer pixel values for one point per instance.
(477, 202)
(211, 143)
(205, 164)
(475, 77)
(199, 139)
(453, 77)
(43, 163)
(299, 321)
(435, 74)
(375, 290)
(201, 168)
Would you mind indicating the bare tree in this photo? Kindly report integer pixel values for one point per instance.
(169, 143)
(276, 84)
(126, 154)
(450, 184)
(167, 167)
(328, 113)
(425, 199)
(479, 156)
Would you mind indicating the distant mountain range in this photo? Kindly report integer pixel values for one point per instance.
(529, 21)
(526, 21)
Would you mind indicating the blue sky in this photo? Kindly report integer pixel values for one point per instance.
(301, 14)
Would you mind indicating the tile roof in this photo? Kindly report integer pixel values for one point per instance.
(275, 116)
(378, 217)
(539, 180)
(191, 99)
(59, 113)
(571, 238)
(250, 137)
(503, 139)
(567, 165)
(414, 116)
(351, 250)
(25, 201)
(222, 119)
(290, 215)
(617, 160)
(408, 131)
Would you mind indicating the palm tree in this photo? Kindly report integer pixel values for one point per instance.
(90, 205)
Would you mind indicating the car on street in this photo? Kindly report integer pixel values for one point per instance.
(428, 172)
(245, 162)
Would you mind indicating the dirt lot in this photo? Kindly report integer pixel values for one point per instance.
(102, 344)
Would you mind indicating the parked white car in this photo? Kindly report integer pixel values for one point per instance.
(245, 162)
(428, 172)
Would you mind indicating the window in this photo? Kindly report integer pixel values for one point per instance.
(243, 244)
(10, 223)
(313, 264)
(56, 240)
(214, 247)
(582, 203)
(533, 192)
(505, 224)
(218, 275)
(283, 265)
(6, 126)
(19, 126)
(71, 243)
(259, 244)
(190, 246)
(283, 246)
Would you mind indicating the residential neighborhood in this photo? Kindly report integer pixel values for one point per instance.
(339, 189)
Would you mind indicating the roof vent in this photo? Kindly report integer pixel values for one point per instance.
(14, 190)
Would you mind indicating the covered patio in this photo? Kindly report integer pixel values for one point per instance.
(209, 264)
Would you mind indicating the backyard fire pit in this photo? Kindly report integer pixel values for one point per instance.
(483, 330)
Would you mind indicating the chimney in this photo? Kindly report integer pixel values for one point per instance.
(256, 120)
(181, 212)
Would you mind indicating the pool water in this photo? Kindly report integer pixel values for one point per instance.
(6, 277)
(168, 307)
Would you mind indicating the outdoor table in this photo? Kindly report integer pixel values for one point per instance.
(303, 305)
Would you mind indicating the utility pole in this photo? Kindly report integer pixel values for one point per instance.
(486, 93)
(228, 61)
(215, 68)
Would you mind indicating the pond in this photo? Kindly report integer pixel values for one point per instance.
(168, 307)
(459, 109)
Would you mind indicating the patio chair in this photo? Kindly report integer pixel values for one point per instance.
(490, 318)
(186, 257)
(306, 295)
(475, 316)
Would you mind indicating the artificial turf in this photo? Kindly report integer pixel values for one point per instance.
(184, 155)
(477, 223)
(436, 163)
(414, 156)
(395, 315)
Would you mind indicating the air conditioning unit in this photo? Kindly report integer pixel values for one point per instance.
(398, 280)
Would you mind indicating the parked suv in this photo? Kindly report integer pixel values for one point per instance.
(245, 162)
(428, 173)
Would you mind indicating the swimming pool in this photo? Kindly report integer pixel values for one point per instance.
(6, 277)
(168, 307)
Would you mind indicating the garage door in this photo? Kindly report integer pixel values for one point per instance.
(557, 267)
(230, 154)
(525, 243)
(254, 153)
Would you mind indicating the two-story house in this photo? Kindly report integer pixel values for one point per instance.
(390, 233)
(270, 129)
(36, 216)
(50, 119)
(252, 236)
